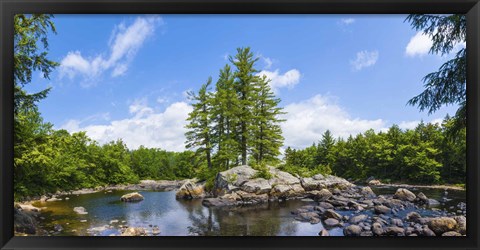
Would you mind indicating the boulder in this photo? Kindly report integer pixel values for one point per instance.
(357, 219)
(461, 224)
(330, 223)
(329, 213)
(395, 231)
(404, 195)
(155, 230)
(352, 230)
(29, 208)
(377, 229)
(80, 210)
(367, 192)
(287, 191)
(132, 197)
(281, 177)
(320, 195)
(319, 181)
(134, 231)
(324, 232)
(413, 217)
(433, 203)
(381, 209)
(442, 224)
(231, 179)
(374, 183)
(23, 222)
(451, 233)
(190, 190)
(311, 217)
(422, 198)
(258, 186)
(397, 222)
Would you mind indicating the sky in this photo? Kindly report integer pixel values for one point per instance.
(126, 76)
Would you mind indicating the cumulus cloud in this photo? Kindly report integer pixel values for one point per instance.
(145, 127)
(124, 43)
(364, 59)
(347, 21)
(419, 45)
(307, 120)
(277, 80)
(414, 124)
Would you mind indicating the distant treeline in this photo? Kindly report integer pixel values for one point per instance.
(428, 154)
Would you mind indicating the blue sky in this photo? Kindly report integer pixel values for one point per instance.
(125, 76)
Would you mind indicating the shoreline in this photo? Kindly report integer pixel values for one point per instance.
(444, 187)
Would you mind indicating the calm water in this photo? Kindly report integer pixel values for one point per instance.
(177, 218)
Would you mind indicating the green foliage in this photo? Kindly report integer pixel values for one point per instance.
(448, 84)
(262, 171)
(424, 155)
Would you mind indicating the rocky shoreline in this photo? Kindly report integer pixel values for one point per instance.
(368, 214)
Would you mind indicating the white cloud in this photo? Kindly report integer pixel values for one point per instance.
(289, 79)
(364, 59)
(419, 45)
(268, 62)
(145, 127)
(307, 120)
(414, 124)
(124, 43)
(347, 21)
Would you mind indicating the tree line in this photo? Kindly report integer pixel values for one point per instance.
(427, 154)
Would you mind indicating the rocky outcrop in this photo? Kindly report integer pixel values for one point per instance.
(191, 190)
(23, 222)
(132, 197)
(238, 186)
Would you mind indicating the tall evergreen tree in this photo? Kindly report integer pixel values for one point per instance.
(199, 129)
(245, 80)
(267, 133)
(225, 118)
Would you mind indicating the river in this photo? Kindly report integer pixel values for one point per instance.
(107, 214)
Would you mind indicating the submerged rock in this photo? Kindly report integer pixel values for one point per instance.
(132, 197)
(80, 210)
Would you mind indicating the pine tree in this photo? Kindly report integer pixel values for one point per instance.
(267, 134)
(225, 119)
(245, 79)
(199, 134)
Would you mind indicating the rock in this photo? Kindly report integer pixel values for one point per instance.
(23, 222)
(190, 190)
(381, 209)
(83, 221)
(397, 222)
(374, 183)
(461, 224)
(155, 230)
(329, 213)
(357, 219)
(132, 197)
(352, 230)
(319, 181)
(281, 177)
(395, 231)
(377, 229)
(80, 210)
(53, 199)
(311, 217)
(58, 227)
(113, 221)
(367, 192)
(404, 195)
(451, 233)
(230, 180)
(29, 208)
(442, 224)
(324, 232)
(413, 217)
(330, 223)
(427, 232)
(134, 231)
(258, 186)
(422, 198)
(322, 195)
(325, 205)
(433, 203)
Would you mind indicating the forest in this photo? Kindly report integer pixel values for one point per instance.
(235, 121)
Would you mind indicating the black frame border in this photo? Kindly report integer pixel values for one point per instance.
(8, 8)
